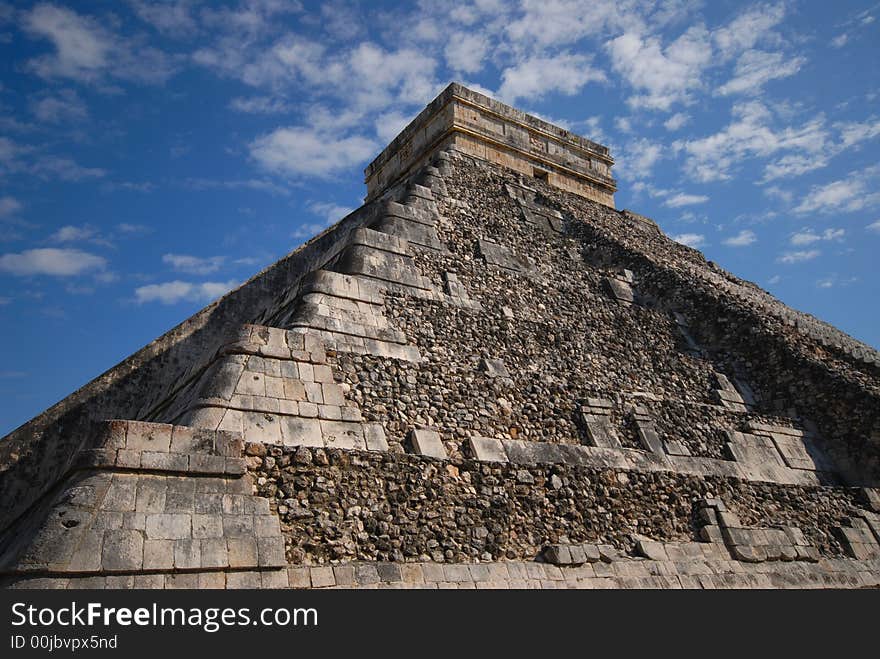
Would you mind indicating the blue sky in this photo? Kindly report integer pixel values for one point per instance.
(155, 154)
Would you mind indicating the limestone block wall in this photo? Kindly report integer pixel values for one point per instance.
(149, 500)
(34, 456)
(477, 125)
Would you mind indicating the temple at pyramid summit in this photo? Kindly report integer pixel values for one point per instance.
(486, 376)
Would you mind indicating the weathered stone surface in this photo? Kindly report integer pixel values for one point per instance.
(427, 443)
(487, 449)
(449, 376)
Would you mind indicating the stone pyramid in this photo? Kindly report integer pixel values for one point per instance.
(486, 376)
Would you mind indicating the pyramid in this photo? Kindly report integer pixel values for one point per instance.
(484, 377)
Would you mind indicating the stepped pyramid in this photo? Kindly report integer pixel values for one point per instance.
(486, 376)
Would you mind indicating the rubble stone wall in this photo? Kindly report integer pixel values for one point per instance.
(338, 506)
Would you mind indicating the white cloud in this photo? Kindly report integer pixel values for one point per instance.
(329, 211)
(742, 239)
(835, 281)
(465, 52)
(874, 226)
(665, 75)
(799, 257)
(852, 133)
(637, 159)
(752, 26)
(694, 240)
(69, 234)
(65, 169)
(66, 106)
(558, 22)
(172, 18)
(172, 292)
(126, 227)
(840, 40)
(51, 261)
(774, 192)
(845, 195)
(390, 124)
(9, 206)
(749, 135)
(755, 68)
(195, 265)
(793, 165)
(676, 121)
(532, 78)
(87, 51)
(299, 151)
(681, 199)
(82, 46)
(259, 105)
(808, 237)
(235, 184)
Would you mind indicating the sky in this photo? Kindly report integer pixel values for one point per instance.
(154, 155)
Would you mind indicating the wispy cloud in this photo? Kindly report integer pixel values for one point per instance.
(87, 50)
(756, 68)
(565, 73)
(808, 237)
(799, 257)
(195, 265)
(51, 261)
(682, 199)
(743, 239)
(299, 151)
(173, 292)
(9, 206)
(844, 195)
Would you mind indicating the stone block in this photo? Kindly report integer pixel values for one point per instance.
(89, 552)
(150, 494)
(242, 552)
(248, 580)
(128, 459)
(158, 554)
(620, 290)
(262, 427)
(427, 443)
(374, 437)
(322, 577)
(165, 526)
(341, 434)
(187, 554)
(266, 526)
(207, 464)
(332, 394)
(121, 495)
(494, 368)
(487, 449)
(270, 552)
(144, 436)
(558, 555)
(308, 410)
(213, 552)
(365, 574)
(164, 461)
(330, 412)
(601, 433)
(652, 550)
(729, 520)
(207, 526)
